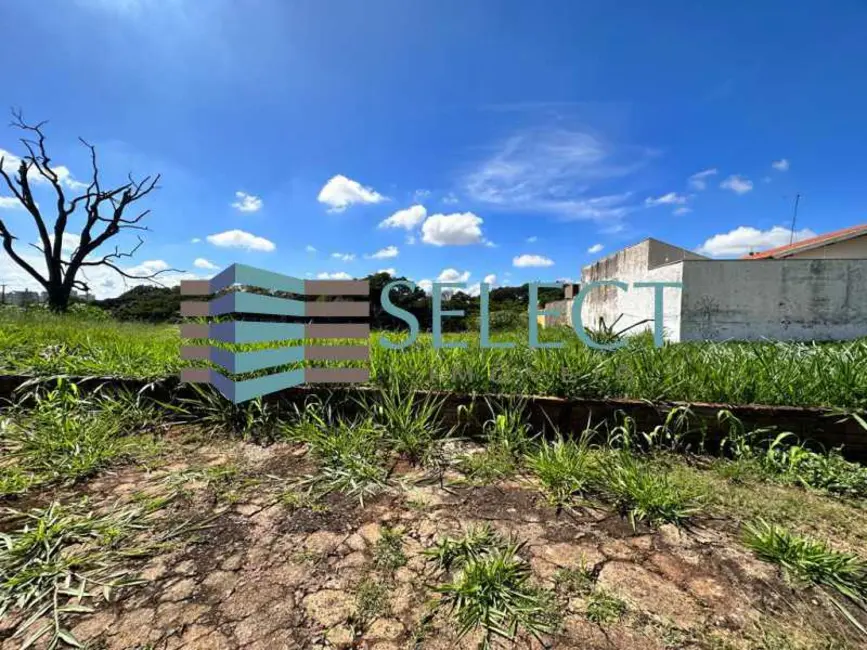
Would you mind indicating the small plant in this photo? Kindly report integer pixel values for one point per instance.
(455, 551)
(411, 424)
(810, 561)
(508, 428)
(488, 465)
(563, 467)
(574, 581)
(57, 560)
(492, 592)
(252, 420)
(372, 601)
(604, 608)
(388, 552)
(643, 493)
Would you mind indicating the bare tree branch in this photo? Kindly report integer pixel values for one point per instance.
(104, 216)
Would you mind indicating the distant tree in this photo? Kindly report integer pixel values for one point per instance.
(105, 215)
(148, 303)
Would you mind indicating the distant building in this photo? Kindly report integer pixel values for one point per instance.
(815, 289)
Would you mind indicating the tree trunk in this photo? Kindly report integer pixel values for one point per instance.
(58, 298)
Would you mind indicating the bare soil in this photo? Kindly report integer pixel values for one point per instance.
(267, 573)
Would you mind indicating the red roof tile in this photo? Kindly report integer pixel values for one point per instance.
(812, 242)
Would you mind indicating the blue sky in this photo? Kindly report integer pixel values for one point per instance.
(527, 132)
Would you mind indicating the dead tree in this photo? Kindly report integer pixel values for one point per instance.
(107, 212)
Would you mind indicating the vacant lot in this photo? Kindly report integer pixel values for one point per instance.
(735, 373)
(130, 525)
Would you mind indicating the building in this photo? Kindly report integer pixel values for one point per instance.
(814, 289)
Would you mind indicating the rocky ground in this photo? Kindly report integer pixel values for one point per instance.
(266, 569)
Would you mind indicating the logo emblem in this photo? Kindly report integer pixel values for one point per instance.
(251, 291)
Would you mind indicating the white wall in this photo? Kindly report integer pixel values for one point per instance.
(777, 299)
(636, 305)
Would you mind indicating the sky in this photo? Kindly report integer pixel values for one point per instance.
(505, 141)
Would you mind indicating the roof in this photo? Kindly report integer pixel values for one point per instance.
(807, 244)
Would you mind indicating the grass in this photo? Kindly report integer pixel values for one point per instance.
(411, 423)
(490, 588)
(604, 608)
(798, 374)
(61, 436)
(644, 493)
(388, 552)
(57, 562)
(563, 467)
(810, 561)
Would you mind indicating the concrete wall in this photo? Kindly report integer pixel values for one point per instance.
(634, 306)
(851, 249)
(776, 299)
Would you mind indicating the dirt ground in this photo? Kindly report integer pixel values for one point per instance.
(269, 571)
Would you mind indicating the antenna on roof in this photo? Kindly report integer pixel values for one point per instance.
(794, 219)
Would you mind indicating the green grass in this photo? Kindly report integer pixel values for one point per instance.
(59, 561)
(563, 467)
(604, 608)
(644, 492)
(490, 588)
(810, 561)
(798, 374)
(388, 552)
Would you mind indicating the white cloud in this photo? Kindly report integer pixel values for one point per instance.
(247, 202)
(532, 240)
(529, 261)
(450, 199)
(698, 181)
(241, 239)
(425, 285)
(459, 229)
(196, 240)
(490, 279)
(672, 198)
(595, 248)
(11, 162)
(554, 171)
(310, 249)
(341, 192)
(682, 210)
(407, 218)
(385, 253)
(391, 271)
(453, 275)
(343, 257)
(340, 275)
(745, 239)
(202, 263)
(781, 165)
(410, 240)
(737, 184)
(420, 195)
(10, 203)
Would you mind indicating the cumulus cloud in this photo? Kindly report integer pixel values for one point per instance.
(10, 203)
(391, 271)
(385, 253)
(453, 275)
(341, 192)
(408, 218)
(343, 257)
(425, 285)
(247, 202)
(698, 181)
(490, 279)
(745, 239)
(595, 248)
(11, 163)
(459, 229)
(781, 165)
(531, 261)
(737, 184)
(672, 198)
(241, 239)
(340, 275)
(202, 263)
